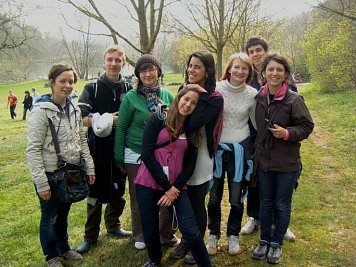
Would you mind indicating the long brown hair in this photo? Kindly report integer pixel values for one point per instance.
(174, 120)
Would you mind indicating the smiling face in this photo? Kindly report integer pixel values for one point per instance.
(239, 72)
(113, 63)
(275, 75)
(196, 71)
(257, 53)
(187, 103)
(62, 87)
(149, 75)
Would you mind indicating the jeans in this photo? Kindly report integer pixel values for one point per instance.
(253, 202)
(196, 194)
(216, 194)
(147, 199)
(165, 218)
(276, 189)
(54, 225)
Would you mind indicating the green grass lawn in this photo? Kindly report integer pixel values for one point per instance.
(323, 216)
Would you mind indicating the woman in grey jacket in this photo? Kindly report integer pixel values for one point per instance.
(42, 159)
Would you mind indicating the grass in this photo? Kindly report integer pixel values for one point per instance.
(323, 216)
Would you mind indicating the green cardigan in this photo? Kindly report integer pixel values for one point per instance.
(133, 115)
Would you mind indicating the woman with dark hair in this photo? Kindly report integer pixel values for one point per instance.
(200, 75)
(169, 155)
(42, 159)
(27, 104)
(283, 121)
(137, 106)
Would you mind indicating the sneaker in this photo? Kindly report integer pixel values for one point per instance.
(260, 252)
(151, 264)
(71, 255)
(274, 254)
(211, 247)
(189, 259)
(234, 245)
(180, 251)
(140, 245)
(289, 236)
(55, 262)
(250, 226)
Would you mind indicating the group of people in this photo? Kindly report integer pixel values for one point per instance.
(28, 102)
(174, 151)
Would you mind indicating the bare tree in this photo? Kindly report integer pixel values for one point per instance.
(146, 13)
(216, 22)
(13, 32)
(82, 53)
(343, 8)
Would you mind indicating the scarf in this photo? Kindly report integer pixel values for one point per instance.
(152, 95)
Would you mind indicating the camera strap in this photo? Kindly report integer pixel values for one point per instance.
(60, 161)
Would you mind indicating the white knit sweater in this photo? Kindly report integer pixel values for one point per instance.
(239, 106)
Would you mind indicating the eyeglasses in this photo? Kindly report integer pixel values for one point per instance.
(149, 70)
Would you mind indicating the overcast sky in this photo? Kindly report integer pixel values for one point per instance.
(47, 16)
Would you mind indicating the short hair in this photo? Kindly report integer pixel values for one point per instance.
(58, 69)
(256, 40)
(245, 58)
(115, 48)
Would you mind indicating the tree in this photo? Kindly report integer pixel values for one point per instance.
(82, 53)
(330, 54)
(216, 23)
(146, 13)
(343, 8)
(13, 32)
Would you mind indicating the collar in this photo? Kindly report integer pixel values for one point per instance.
(280, 94)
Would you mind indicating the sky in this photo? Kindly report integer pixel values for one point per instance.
(46, 16)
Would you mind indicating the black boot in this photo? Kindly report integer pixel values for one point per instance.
(84, 247)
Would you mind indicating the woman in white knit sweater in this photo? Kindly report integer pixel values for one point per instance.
(234, 153)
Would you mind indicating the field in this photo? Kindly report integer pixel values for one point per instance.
(323, 217)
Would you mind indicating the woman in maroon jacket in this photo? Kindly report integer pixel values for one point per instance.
(283, 120)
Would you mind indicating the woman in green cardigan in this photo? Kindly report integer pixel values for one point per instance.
(135, 109)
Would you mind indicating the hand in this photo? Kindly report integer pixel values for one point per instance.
(91, 179)
(123, 170)
(278, 131)
(196, 86)
(172, 193)
(45, 195)
(115, 116)
(164, 201)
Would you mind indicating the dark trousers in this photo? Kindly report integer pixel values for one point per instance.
(113, 211)
(276, 189)
(216, 194)
(12, 111)
(197, 194)
(165, 219)
(147, 201)
(253, 202)
(24, 113)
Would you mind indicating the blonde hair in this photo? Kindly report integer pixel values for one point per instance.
(245, 58)
(115, 48)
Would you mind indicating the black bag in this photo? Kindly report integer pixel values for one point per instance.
(71, 183)
(70, 180)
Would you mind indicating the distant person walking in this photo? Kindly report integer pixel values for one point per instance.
(27, 104)
(35, 96)
(12, 101)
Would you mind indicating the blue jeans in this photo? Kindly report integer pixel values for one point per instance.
(54, 225)
(197, 194)
(276, 189)
(147, 199)
(216, 194)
